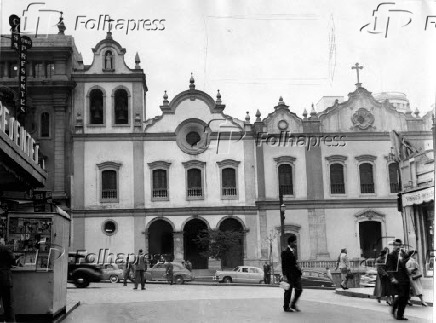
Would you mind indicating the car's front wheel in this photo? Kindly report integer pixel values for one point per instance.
(227, 280)
(114, 279)
(81, 282)
(178, 280)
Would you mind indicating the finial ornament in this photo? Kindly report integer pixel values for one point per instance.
(192, 82)
(281, 102)
(165, 97)
(313, 112)
(258, 116)
(357, 67)
(305, 113)
(218, 97)
(61, 25)
(416, 112)
(247, 117)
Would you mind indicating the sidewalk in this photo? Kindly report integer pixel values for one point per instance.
(366, 292)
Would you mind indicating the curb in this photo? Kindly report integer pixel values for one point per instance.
(349, 293)
(64, 316)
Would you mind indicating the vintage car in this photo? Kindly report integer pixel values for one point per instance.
(240, 274)
(158, 273)
(112, 272)
(316, 279)
(81, 273)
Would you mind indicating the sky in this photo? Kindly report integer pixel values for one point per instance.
(256, 51)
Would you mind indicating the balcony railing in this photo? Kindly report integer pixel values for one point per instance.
(160, 193)
(337, 188)
(109, 194)
(195, 191)
(287, 189)
(367, 188)
(395, 187)
(229, 191)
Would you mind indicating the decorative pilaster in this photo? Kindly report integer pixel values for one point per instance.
(317, 233)
(178, 246)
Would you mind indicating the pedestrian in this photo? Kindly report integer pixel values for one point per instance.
(188, 265)
(140, 268)
(382, 285)
(127, 269)
(7, 260)
(267, 273)
(291, 274)
(415, 276)
(344, 266)
(169, 272)
(400, 281)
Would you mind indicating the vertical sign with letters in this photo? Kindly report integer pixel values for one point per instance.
(21, 45)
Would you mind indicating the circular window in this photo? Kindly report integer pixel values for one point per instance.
(109, 227)
(193, 138)
(283, 125)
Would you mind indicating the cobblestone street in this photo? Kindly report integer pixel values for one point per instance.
(193, 303)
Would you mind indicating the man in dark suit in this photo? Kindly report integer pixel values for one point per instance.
(398, 275)
(291, 274)
(7, 260)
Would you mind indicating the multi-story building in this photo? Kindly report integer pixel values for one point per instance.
(49, 102)
(156, 183)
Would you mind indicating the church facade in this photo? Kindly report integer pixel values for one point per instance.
(156, 183)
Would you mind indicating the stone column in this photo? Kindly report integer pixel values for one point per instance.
(178, 246)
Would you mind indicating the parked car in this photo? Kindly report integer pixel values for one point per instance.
(112, 272)
(369, 278)
(81, 273)
(158, 273)
(316, 279)
(240, 274)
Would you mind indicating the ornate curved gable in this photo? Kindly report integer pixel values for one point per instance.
(361, 113)
(282, 119)
(108, 58)
(194, 104)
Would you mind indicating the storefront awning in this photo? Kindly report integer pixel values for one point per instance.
(418, 197)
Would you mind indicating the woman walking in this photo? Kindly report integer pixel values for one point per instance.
(382, 285)
(415, 276)
(344, 266)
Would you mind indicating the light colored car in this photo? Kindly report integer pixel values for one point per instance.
(369, 278)
(158, 273)
(112, 272)
(241, 274)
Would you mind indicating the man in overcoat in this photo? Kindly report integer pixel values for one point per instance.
(291, 274)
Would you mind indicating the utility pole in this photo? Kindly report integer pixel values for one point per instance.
(282, 220)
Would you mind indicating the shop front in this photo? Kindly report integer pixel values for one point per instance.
(418, 220)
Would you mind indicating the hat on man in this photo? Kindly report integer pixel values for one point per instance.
(140, 250)
(292, 238)
(398, 241)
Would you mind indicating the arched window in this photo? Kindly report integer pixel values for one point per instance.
(285, 179)
(160, 184)
(394, 178)
(337, 183)
(229, 182)
(121, 107)
(366, 178)
(96, 107)
(108, 61)
(45, 124)
(195, 187)
(109, 188)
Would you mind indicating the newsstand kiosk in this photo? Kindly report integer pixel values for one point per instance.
(39, 241)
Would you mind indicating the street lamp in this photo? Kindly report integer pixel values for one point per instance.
(282, 219)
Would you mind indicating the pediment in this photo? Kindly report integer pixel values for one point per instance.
(362, 113)
(282, 119)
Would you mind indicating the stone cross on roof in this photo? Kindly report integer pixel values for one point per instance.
(357, 67)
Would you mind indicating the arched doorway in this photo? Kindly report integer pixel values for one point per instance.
(370, 233)
(160, 239)
(192, 249)
(236, 256)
